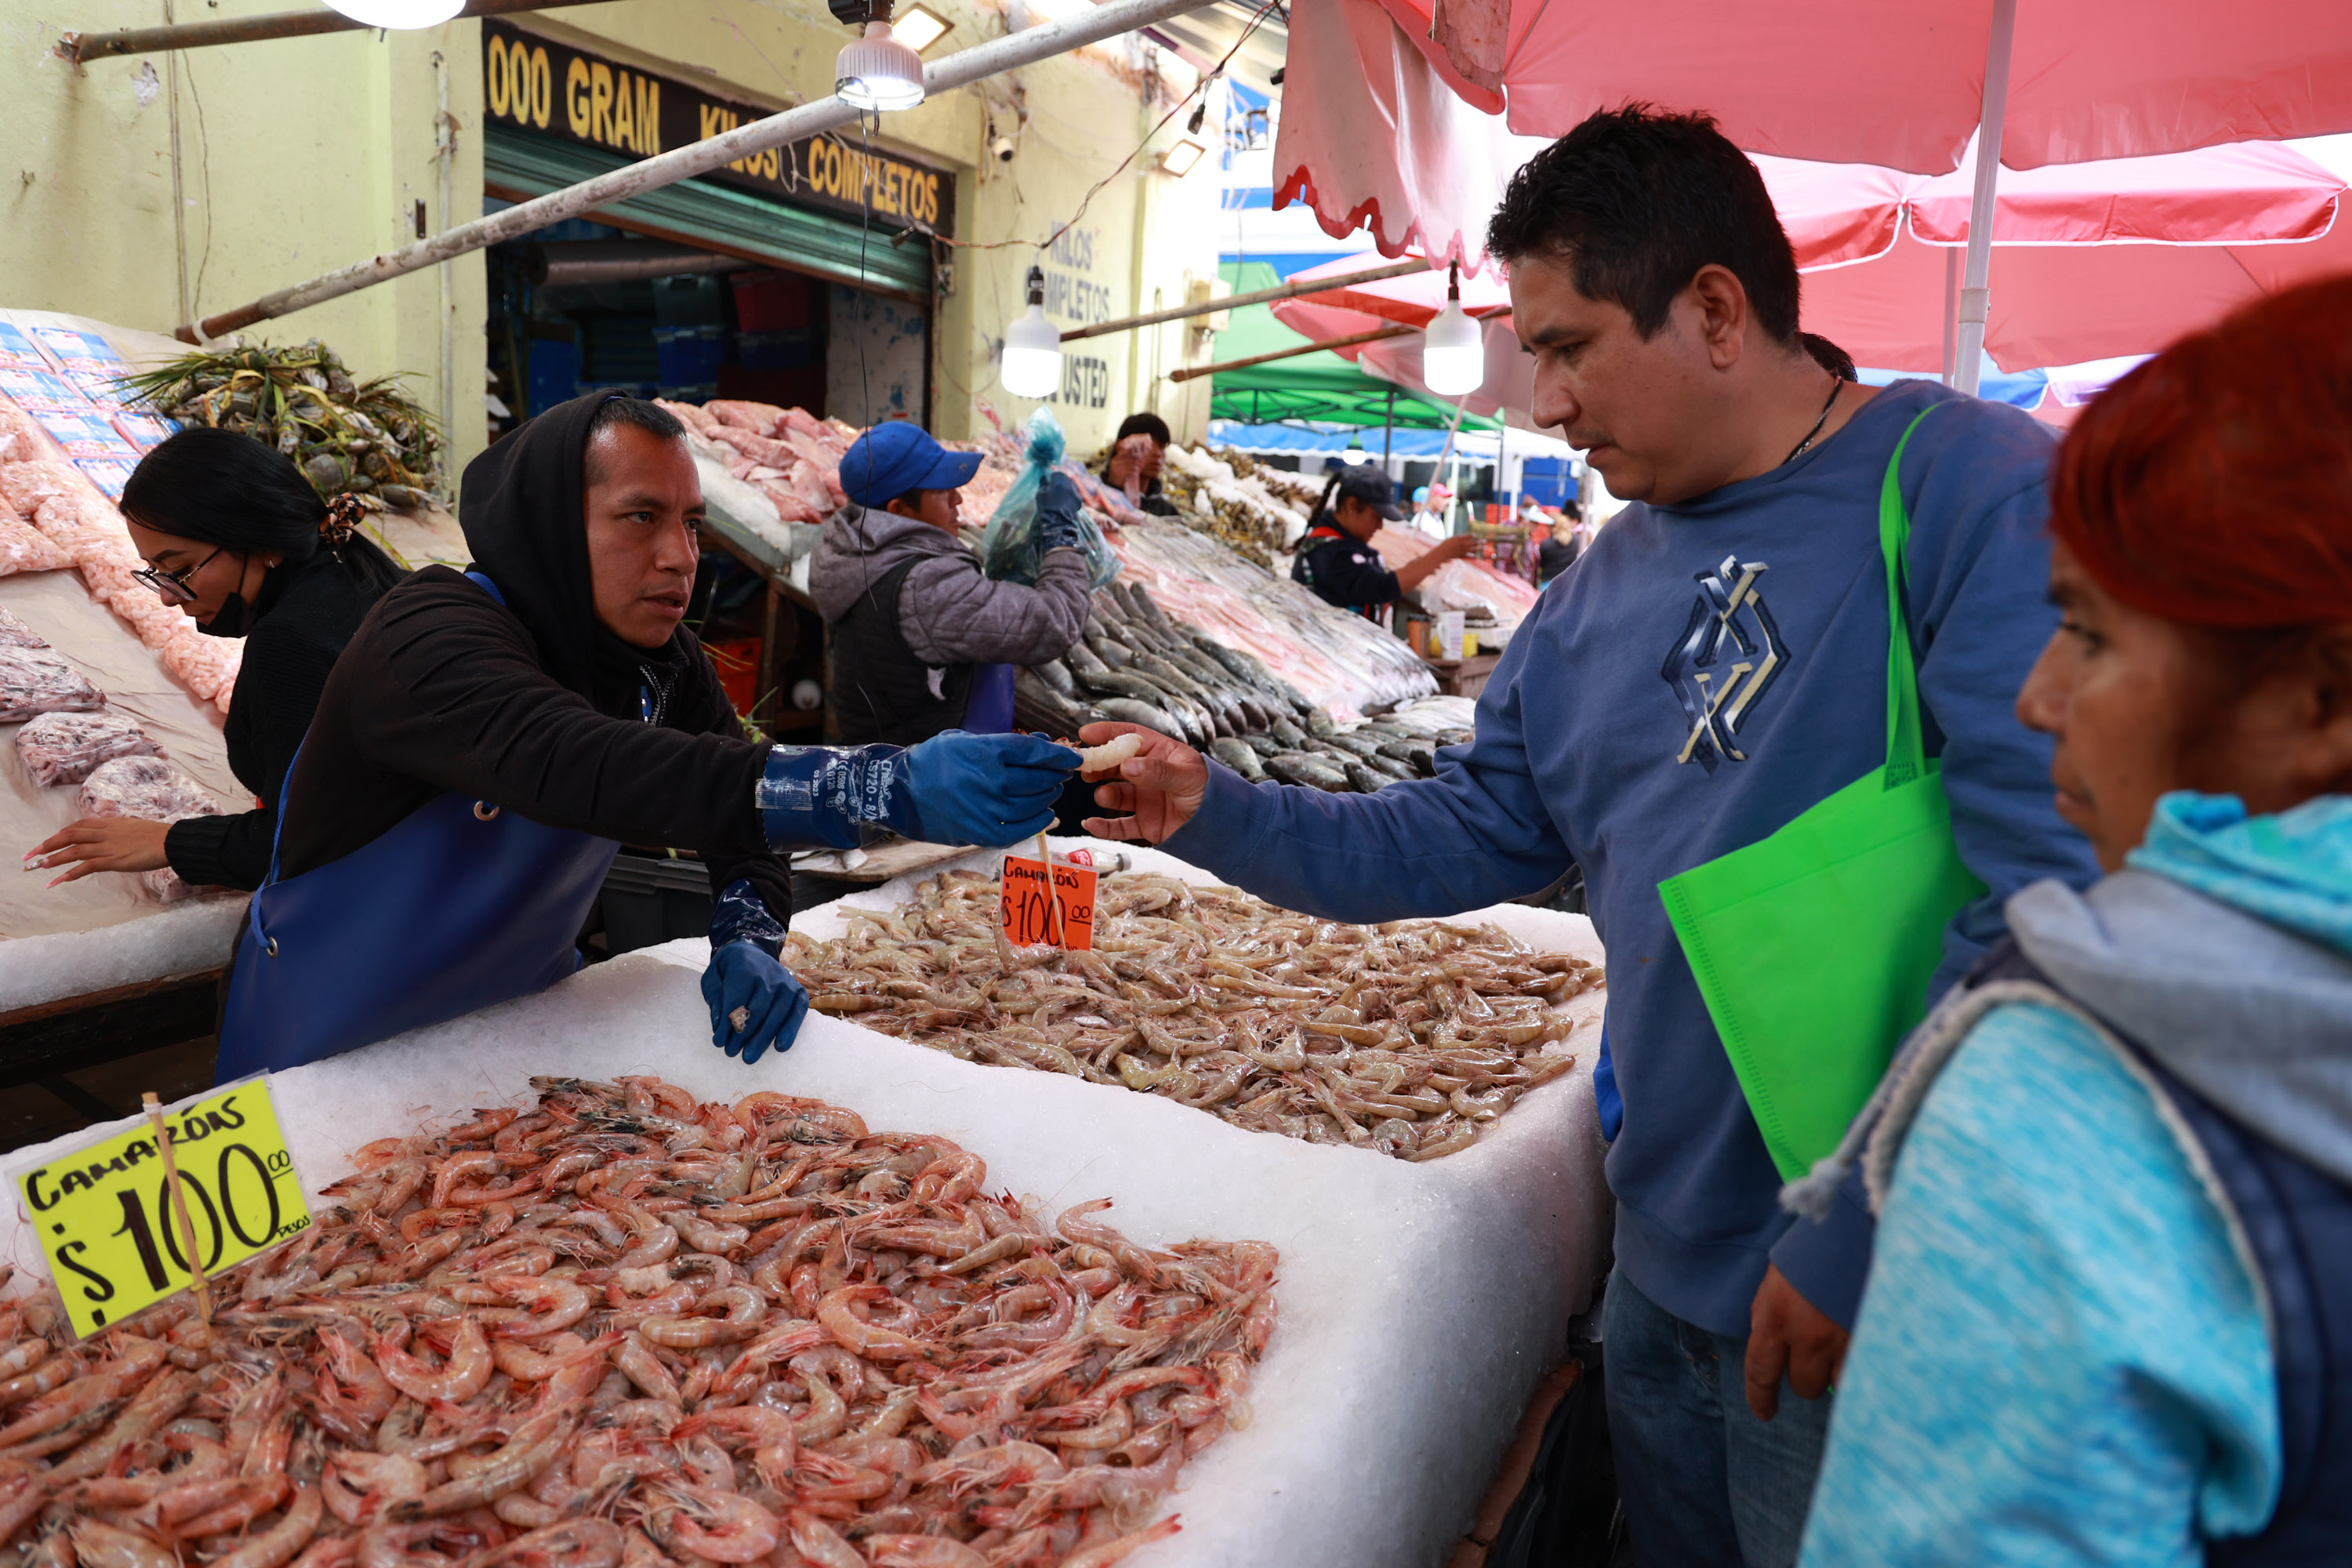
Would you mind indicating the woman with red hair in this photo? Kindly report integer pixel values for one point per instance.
(2109, 1318)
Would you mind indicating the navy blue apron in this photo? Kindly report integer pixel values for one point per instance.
(988, 710)
(457, 906)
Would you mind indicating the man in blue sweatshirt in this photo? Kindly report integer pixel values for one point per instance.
(1716, 666)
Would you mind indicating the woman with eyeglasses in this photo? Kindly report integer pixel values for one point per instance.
(235, 536)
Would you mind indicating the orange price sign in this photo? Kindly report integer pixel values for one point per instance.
(1059, 913)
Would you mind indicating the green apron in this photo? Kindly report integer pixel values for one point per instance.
(1813, 947)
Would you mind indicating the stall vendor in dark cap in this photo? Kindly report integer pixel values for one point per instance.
(1336, 559)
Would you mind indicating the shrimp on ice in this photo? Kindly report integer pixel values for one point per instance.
(723, 1527)
(457, 1380)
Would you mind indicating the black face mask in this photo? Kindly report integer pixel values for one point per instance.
(234, 619)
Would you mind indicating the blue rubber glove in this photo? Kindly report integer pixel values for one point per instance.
(991, 789)
(1057, 514)
(745, 983)
(953, 788)
(837, 797)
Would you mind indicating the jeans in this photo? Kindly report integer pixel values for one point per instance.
(1704, 1482)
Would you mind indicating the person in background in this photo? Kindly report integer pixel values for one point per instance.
(1654, 286)
(1136, 455)
(2109, 1321)
(1433, 511)
(235, 536)
(1335, 557)
(921, 642)
(490, 738)
(1558, 552)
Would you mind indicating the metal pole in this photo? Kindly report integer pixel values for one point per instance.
(83, 48)
(1951, 308)
(444, 139)
(1190, 370)
(1387, 428)
(1092, 25)
(1975, 294)
(1290, 290)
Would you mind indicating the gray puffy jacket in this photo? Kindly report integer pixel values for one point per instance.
(948, 613)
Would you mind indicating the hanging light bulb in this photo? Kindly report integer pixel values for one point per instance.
(877, 72)
(1032, 347)
(399, 13)
(1453, 349)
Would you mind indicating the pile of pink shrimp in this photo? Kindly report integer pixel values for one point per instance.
(624, 1329)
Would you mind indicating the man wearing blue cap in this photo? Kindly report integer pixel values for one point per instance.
(1336, 558)
(921, 641)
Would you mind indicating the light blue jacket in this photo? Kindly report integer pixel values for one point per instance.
(2062, 1355)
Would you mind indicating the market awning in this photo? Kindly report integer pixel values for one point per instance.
(2089, 260)
(1471, 446)
(1321, 388)
(517, 166)
(1900, 82)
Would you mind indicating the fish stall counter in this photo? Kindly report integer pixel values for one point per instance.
(1418, 1304)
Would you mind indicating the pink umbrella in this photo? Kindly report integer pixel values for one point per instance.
(2094, 259)
(1900, 83)
(1904, 82)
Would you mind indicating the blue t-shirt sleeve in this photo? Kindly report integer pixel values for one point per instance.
(1975, 637)
(2061, 1359)
(1477, 834)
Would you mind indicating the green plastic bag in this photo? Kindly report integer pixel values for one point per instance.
(1813, 947)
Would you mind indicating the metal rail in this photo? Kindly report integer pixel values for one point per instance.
(83, 48)
(1290, 290)
(1092, 25)
(1371, 337)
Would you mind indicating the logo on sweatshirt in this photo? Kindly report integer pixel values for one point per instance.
(1728, 653)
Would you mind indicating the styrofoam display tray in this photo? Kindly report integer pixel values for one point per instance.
(1420, 1303)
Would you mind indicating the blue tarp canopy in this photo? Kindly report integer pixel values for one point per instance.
(1309, 440)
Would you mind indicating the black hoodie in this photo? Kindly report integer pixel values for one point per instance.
(534, 707)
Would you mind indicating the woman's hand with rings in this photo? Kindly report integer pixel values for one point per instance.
(101, 844)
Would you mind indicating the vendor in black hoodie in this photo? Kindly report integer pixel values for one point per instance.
(490, 737)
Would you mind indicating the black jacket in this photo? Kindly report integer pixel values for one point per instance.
(531, 705)
(304, 616)
(444, 689)
(1343, 571)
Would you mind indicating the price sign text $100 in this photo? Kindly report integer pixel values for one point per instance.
(105, 1217)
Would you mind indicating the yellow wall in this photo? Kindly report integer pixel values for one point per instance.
(301, 155)
(296, 156)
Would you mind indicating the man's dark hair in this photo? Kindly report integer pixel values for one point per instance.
(1637, 201)
(1150, 425)
(634, 411)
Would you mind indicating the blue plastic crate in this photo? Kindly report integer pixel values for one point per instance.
(689, 356)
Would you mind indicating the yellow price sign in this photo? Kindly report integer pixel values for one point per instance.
(105, 1216)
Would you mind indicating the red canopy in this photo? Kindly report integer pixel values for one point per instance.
(1900, 82)
(2090, 260)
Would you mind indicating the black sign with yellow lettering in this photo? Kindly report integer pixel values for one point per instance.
(536, 84)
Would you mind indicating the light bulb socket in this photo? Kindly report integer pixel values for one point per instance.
(876, 72)
(1032, 365)
(399, 13)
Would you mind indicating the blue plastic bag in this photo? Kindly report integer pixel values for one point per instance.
(1009, 550)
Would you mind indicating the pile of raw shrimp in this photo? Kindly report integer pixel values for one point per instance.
(622, 1330)
(1408, 1038)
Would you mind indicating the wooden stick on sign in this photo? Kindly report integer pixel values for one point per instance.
(1052, 901)
(179, 1205)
